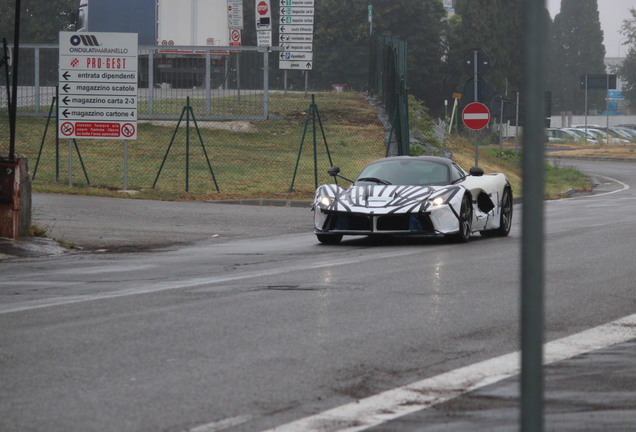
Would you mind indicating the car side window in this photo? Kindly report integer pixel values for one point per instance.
(457, 173)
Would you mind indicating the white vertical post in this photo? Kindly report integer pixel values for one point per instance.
(126, 165)
(70, 162)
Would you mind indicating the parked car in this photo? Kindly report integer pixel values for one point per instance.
(627, 133)
(629, 126)
(604, 137)
(615, 134)
(556, 135)
(584, 136)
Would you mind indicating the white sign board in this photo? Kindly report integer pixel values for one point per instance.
(263, 18)
(296, 34)
(264, 38)
(235, 14)
(98, 86)
(297, 3)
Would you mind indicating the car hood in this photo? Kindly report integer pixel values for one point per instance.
(378, 198)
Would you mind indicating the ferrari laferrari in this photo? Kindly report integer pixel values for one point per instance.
(414, 195)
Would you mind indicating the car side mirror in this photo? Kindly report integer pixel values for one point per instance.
(333, 171)
(476, 171)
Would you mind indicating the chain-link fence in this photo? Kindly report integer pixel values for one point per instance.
(388, 82)
(207, 119)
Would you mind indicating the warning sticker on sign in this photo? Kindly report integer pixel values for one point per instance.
(95, 129)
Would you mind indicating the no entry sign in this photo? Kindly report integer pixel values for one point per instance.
(476, 116)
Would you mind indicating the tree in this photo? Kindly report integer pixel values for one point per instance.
(419, 23)
(341, 40)
(494, 27)
(41, 20)
(627, 71)
(576, 48)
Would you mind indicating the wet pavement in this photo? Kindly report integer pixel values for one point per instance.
(592, 391)
(595, 391)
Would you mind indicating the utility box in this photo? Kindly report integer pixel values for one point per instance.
(7, 180)
(15, 198)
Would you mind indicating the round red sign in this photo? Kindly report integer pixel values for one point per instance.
(476, 116)
(262, 8)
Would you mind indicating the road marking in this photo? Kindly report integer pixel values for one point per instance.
(625, 186)
(222, 424)
(391, 404)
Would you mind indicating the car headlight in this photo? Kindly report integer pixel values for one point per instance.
(325, 201)
(437, 201)
(440, 199)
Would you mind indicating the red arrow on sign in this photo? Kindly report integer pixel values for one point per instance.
(476, 116)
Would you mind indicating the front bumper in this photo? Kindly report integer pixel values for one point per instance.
(369, 224)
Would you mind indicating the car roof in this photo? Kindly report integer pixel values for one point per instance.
(436, 159)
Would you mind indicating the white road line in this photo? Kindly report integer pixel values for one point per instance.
(391, 404)
(221, 425)
(624, 185)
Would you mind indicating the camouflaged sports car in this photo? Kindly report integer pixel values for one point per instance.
(421, 195)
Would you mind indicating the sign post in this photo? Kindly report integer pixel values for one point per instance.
(476, 116)
(97, 86)
(263, 18)
(296, 33)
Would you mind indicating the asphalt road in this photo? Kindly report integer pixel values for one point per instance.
(234, 317)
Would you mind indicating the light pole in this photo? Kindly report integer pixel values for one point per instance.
(620, 42)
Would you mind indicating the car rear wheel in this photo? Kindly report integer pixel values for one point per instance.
(465, 222)
(505, 217)
(329, 238)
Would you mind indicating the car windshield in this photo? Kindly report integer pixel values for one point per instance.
(405, 172)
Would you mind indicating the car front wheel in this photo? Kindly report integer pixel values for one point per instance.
(465, 222)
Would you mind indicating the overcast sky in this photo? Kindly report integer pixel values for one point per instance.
(612, 14)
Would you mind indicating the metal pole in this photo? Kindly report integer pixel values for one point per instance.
(475, 75)
(126, 165)
(517, 126)
(266, 83)
(285, 82)
(36, 79)
(476, 91)
(70, 162)
(476, 142)
(208, 86)
(585, 104)
(501, 125)
(313, 124)
(151, 81)
(532, 245)
(57, 134)
(13, 108)
(607, 101)
(187, 179)
(238, 75)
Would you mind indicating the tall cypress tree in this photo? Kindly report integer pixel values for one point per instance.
(576, 49)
